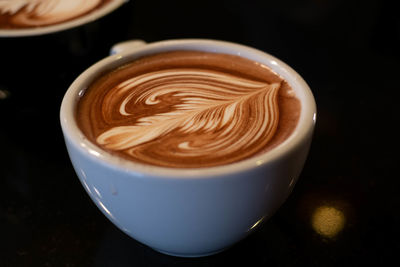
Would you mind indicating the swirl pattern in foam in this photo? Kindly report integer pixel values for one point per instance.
(32, 13)
(194, 114)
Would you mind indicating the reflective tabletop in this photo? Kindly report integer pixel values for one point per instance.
(344, 209)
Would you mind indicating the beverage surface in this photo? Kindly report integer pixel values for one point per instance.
(17, 14)
(188, 109)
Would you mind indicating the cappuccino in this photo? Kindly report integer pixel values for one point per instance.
(188, 109)
(37, 13)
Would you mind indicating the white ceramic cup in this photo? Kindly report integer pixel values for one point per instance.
(69, 24)
(188, 212)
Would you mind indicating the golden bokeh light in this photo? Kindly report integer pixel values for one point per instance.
(328, 221)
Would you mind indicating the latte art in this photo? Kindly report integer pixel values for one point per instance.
(31, 13)
(214, 105)
(192, 114)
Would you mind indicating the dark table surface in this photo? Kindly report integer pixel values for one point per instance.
(345, 208)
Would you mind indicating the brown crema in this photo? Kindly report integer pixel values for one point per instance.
(188, 109)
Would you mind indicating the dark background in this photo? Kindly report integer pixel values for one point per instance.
(347, 51)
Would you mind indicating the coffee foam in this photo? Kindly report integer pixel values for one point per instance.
(32, 13)
(188, 109)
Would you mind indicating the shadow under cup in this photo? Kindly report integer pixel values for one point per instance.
(189, 212)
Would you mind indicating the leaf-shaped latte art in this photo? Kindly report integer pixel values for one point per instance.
(195, 113)
(45, 12)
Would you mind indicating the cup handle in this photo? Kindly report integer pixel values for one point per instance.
(125, 46)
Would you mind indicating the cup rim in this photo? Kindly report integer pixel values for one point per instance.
(69, 24)
(76, 137)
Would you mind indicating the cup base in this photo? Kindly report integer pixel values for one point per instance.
(190, 255)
